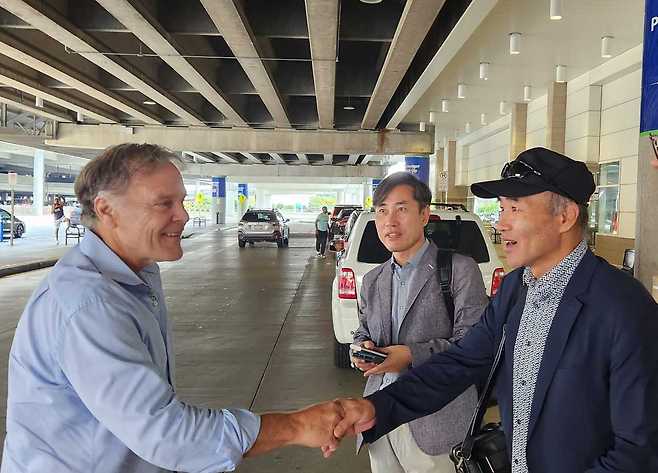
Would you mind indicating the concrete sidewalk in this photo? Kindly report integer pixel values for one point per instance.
(20, 259)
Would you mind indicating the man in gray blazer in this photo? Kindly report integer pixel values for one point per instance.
(402, 313)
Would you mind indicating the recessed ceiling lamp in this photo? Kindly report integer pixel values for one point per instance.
(38, 101)
(371, 1)
(349, 105)
(502, 108)
(555, 9)
(560, 73)
(461, 91)
(79, 118)
(444, 106)
(467, 127)
(527, 93)
(148, 102)
(484, 70)
(515, 43)
(432, 117)
(421, 126)
(483, 119)
(606, 50)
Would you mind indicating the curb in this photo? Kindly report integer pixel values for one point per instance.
(24, 268)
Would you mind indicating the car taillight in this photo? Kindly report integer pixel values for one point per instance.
(346, 284)
(496, 280)
(276, 226)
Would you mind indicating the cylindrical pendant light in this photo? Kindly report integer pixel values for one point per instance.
(461, 91)
(484, 70)
(527, 93)
(467, 127)
(606, 49)
(79, 118)
(444, 106)
(38, 101)
(502, 108)
(515, 43)
(421, 126)
(433, 117)
(555, 9)
(560, 73)
(483, 119)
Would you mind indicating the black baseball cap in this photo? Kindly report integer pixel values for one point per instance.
(538, 170)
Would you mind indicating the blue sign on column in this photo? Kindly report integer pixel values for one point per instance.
(243, 189)
(375, 183)
(219, 186)
(419, 166)
(649, 113)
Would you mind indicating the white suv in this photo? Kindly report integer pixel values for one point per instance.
(450, 226)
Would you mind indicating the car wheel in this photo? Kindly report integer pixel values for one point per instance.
(342, 355)
(19, 231)
(279, 243)
(286, 242)
(241, 243)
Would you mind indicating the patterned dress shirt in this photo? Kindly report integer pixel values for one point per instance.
(544, 296)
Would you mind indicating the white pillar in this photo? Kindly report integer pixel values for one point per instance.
(38, 181)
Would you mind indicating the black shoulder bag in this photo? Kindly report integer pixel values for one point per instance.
(483, 450)
(444, 271)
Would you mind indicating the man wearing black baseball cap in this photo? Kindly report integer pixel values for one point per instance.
(577, 385)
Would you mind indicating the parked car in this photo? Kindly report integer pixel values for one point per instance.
(338, 227)
(338, 242)
(263, 225)
(334, 215)
(19, 225)
(451, 227)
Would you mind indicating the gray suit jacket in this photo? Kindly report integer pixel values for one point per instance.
(426, 329)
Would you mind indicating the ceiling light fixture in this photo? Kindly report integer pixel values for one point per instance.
(560, 73)
(79, 117)
(432, 117)
(461, 91)
(444, 106)
(484, 70)
(527, 93)
(555, 10)
(148, 102)
(421, 126)
(38, 101)
(483, 119)
(371, 2)
(467, 127)
(515, 43)
(502, 107)
(606, 50)
(349, 105)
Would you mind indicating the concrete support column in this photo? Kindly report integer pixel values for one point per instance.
(456, 194)
(556, 116)
(367, 193)
(3, 115)
(218, 206)
(518, 127)
(340, 197)
(438, 186)
(243, 202)
(38, 181)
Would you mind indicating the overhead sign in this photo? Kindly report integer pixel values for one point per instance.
(649, 108)
(243, 189)
(419, 166)
(219, 186)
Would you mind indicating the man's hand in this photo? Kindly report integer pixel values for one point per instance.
(398, 359)
(310, 427)
(358, 415)
(361, 364)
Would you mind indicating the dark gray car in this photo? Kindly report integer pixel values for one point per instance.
(19, 225)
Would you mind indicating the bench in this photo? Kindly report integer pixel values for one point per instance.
(198, 221)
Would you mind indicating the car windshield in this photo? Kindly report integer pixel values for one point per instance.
(460, 236)
(256, 216)
(345, 213)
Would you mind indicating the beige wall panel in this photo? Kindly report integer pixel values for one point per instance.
(621, 90)
(628, 170)
(585, 149)
(627, 224)
(621, 117)
(620, 144)
(628, 198)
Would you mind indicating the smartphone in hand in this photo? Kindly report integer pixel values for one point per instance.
(371, 356)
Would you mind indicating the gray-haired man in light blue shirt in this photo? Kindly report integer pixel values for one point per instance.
(91, 369)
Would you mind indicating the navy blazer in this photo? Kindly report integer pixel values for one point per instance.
(595, 407)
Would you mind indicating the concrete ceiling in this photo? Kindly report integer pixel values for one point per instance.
(574, 41)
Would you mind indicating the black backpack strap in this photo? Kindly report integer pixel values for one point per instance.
(444, 272)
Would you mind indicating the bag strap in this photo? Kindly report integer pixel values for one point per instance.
(444, 272)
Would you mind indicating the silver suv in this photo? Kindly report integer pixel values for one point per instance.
(263, 225)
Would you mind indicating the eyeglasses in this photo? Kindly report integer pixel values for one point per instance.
(520, 169)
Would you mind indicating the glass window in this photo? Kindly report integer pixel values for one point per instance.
(258, 217)
(605, 211)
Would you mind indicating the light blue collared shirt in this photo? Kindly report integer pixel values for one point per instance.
(402, 279)
(91, 385)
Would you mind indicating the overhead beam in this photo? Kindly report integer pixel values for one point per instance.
(328, 159)
(240, 140)
(302, 158)
(278, 158)
(199, 157)
(18, 81)
(140, 23)
(9, 97)
(48, 65)
(252, 158)
(306, 173)
(234, 28)
(322, 19)
(227, 157)
(416, 20)
(352, 159)
(46, 19)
